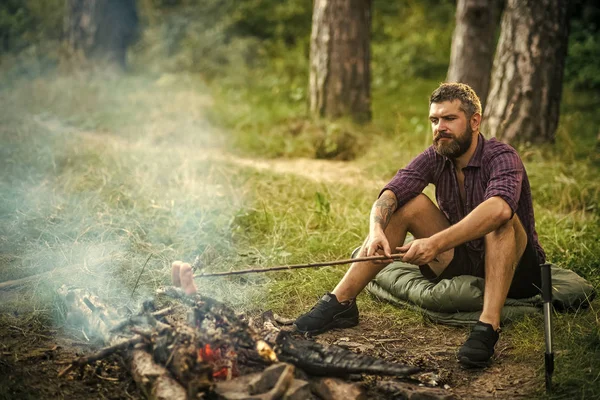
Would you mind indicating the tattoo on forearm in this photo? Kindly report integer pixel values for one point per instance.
(383, 209)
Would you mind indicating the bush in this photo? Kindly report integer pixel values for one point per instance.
(582, 68)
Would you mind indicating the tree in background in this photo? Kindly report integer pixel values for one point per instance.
(473, 44)
(339, 59)
(100, 29)
(524, 99)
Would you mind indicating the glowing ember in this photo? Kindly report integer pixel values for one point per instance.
(222, 362)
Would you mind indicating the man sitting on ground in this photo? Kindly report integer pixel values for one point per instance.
(484, 225)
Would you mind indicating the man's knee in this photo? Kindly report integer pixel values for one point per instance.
(511, 231)
(416, 206)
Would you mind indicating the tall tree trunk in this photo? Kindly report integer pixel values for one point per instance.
(526, 87)
(339, 59)
(100, 29)
(473, 44)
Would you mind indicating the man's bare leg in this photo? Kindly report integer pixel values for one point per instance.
(421, 218)
(504, 248)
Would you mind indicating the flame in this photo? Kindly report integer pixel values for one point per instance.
(222, 362)
(265, 351)
(208, 355)
(222, 374)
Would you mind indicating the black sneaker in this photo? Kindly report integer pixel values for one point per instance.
(479, 347)
(327, 314)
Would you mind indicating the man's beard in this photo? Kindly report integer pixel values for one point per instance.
(456, 146)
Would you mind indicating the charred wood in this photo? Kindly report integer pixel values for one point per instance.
(143, 319)
(321, 360)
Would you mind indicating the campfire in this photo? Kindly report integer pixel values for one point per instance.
(198, 347)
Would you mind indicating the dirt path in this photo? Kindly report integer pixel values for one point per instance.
(322, 171)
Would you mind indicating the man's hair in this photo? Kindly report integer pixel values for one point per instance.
(470, 103)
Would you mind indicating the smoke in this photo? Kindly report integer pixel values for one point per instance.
(97, 175)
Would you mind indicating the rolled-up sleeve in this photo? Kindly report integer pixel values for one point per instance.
(506, 178)
(410, 181)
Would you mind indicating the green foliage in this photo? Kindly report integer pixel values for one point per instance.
(323, 206)
(220, 37)
(582, 69)
(23, 23)
(30, 32)
(402, 49)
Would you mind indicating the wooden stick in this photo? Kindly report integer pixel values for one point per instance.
(139, 276)
(105, 352)
(132, 319)
(296, 266)
(22, 281)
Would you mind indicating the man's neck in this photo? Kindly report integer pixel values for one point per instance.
(463, 161)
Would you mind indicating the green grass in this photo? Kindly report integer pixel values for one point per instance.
(97, 173)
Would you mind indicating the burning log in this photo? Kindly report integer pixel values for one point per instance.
(88, 311)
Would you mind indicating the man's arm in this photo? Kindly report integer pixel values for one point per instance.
(485, 218)
(381, 213)
(404, 186)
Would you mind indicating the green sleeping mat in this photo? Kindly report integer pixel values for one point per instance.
(458, 301)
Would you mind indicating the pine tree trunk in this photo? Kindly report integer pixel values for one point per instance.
(473, 44)
(524, 99)
(100, 29)
(339, 59)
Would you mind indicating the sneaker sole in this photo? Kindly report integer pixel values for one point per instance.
(339, 324)
(467, 363)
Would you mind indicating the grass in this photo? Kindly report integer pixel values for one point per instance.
(97, 173)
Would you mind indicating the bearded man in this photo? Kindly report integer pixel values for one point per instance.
(484, 225)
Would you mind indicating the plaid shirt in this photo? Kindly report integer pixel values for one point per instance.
(494, 170)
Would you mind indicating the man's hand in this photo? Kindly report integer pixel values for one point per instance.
(419, 251)
(377, 244)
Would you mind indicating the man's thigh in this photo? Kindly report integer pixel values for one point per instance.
(526, 281)
(422, 218)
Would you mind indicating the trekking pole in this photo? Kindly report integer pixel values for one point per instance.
(547, 297)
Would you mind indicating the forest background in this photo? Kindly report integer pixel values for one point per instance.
(200, 147)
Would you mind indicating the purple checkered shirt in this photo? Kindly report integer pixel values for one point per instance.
(494, 170)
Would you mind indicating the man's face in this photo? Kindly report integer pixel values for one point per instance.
(452, 133)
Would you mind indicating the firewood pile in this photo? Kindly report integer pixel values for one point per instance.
(197, 347)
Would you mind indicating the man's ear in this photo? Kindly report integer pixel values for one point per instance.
(475, 121)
